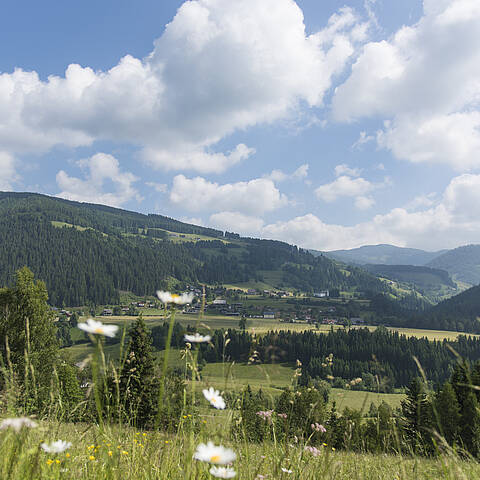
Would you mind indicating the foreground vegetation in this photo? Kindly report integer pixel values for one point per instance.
(122, 453)
(135, 417)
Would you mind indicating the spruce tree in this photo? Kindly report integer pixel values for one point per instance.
(448, 412)
(137, 386)
(470, 424)
(416, 411)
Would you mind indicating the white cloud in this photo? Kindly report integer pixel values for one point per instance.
(301, 173)
(364, 203)
(362, 140)
(344, 169)
(8, 173)
(237, 222)
(101, 169)
(453, 220)
(219, 66)
(344, 187)
(253, 197)
(425, 80)
(158, 187)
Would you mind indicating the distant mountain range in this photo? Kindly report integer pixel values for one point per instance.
(462, 263)
(384, 254)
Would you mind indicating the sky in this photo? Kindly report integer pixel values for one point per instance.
(325, 124)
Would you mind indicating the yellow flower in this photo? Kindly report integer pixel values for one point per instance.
(124, 452)
(108, 444)
(67, 455)
(49, 461)
(110, 453)
(57, 461)
(144, 434)
(138, 433)
(91, 457)
(166, 441)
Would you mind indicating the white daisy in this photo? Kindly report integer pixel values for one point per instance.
(167, 297)
(17, 423)
(214, 454)
(223, 472)
(56, 447)
(197, 338)
(285, 470)
(214, 397)
(92, 326)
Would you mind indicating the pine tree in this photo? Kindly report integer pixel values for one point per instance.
(416, 411)
(470, 424)
(137, 386)
(448, 412)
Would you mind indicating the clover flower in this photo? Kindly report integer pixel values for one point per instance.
(167, 297)
(56, 447)
(17, 423)
(318, 428)
(197, 338)
(214, 397)
(98, 328)
(313, 450)
(265, 414)
(214, 454)
(223, 472)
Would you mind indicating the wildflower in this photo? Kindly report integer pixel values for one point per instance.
(124, 452)
(282, 415)
(17, 423)
(67, 455)
(91, 457)
(318, 428)
(92, 326)
(197, 338)
(265, 414)
(57, 461)
(49, 461)
(285, 470)
(313, 450)
(167, 297)
(214, 397)
(214, 454)
(56, 447)
(110, 453)
(223, 472)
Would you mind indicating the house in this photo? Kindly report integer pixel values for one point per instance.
(219, 301)
(357, 321)
(268, 314)
(251, 291)
(322, 294)
(107, 311)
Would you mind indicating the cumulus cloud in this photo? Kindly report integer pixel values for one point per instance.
(100, 170)
(344, 169)
(253, 197)
(8, 173)
(218, 67)
(301, 173)
(424, 83)
(237, 222)
(451, 221)
(344, 187)
(158, 187)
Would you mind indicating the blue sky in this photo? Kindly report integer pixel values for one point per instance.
(324, 124)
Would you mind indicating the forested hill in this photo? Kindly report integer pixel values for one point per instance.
(463, 263)
(88, 253)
